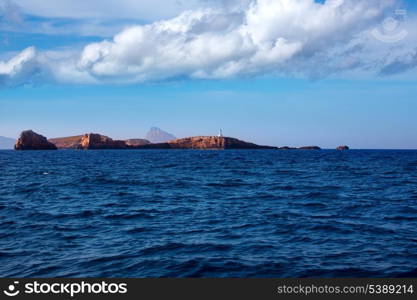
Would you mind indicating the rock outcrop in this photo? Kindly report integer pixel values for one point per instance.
(30, 140)
(157, 135)
(206, 143)
(342, 148)
(92, 141)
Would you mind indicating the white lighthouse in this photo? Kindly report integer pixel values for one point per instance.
(220, 133)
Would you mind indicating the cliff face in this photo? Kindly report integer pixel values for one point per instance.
(200, 142)
(206, 143)
(30, 140)
(98, 141)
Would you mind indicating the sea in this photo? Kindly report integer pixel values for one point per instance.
(187, 213)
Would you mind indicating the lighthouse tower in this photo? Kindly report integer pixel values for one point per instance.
(220, 133)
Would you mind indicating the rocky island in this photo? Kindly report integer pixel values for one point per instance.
(310, 148)
(29, 140)
(95, 141)
(206, 143)
(342, 148)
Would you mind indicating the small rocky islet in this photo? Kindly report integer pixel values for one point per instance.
(30, 140)
(343, 148)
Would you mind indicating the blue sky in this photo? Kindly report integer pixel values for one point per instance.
(337, 86)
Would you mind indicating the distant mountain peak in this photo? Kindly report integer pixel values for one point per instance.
(157, 135)
(6, 143)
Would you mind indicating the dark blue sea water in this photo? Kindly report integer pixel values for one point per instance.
(208, 213)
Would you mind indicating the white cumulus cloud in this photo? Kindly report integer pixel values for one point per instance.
(18, 68)
(15, 65)
(241, 39)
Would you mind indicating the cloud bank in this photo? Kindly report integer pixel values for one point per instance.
(106, 9)
(256, 38)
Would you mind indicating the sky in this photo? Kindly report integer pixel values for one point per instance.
(276, 72)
